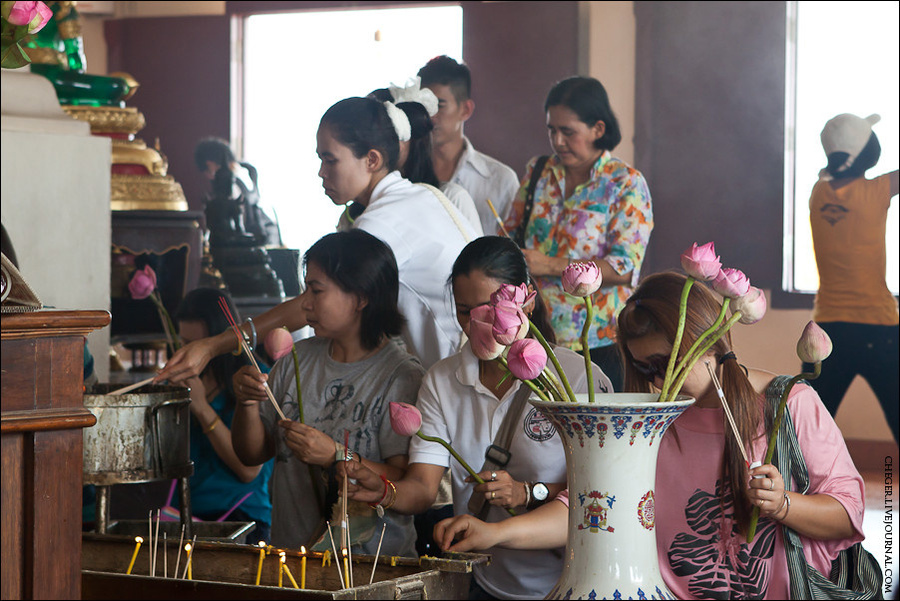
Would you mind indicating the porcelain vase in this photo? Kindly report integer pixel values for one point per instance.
(611, 449)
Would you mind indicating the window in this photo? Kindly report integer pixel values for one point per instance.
(842, 58)
(296, 65)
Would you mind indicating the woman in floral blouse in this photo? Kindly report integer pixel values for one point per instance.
(588, 206)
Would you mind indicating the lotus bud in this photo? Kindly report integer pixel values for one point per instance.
(481, 333)
(731, 283)
(582, 279)
(142, 283)
(701, 262)
(507, 292)
(510, 323)
(752, 305)
(278, 343)
(406, 420)
(526, 359)
(814, 344)
(33, 14)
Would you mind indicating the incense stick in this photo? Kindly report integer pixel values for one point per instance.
(721, 394)
(131, 387)
(165, 556)
(178, 557)
(155, 544)
(189, 558)
(377, 553)
(337, 559)
(345, 517)
(237, 332)
(497, 217)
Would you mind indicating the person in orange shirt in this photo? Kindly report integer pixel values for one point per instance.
(848, 215)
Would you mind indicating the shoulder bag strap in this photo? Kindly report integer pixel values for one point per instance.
(451, 210)
(519, 233)
(497, 455)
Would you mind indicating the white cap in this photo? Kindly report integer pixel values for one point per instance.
(848, 133)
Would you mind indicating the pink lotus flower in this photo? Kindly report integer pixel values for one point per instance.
(142, 283)
(701, 262)
(278, 343)
(526, 359)
(406, 420)
(481, 333)
(33, 14)
(510, 322)
(814, 344)
(508, 292)
(752, 306)
(582, 279)
(731, 283)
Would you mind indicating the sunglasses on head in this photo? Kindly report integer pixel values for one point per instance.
(655, 366)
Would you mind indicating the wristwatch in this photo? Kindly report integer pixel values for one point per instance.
(539, 493)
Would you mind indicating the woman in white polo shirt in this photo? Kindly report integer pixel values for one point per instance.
(464, 401)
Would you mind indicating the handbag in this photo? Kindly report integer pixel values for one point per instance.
(518, 234)
(855, 573)
(497, 455)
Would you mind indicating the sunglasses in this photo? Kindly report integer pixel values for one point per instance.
(653, 368)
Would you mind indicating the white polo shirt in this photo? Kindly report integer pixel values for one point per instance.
(425, 240)
(485, 178)
(458, 408)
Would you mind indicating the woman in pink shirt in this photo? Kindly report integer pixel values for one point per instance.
(704, 491)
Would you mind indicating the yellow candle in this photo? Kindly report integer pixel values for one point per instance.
(326, 557)
(303, 567)
(262, 556)
(137, 547)
(188, 572)
(346, 569)
(281, 570)
(287, 570)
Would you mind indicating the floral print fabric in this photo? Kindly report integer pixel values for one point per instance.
(608, 217)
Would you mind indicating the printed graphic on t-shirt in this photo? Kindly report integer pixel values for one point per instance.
(832, 213)
(538, 427)
(715, 556)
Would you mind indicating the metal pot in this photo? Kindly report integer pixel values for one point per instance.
(139, 436)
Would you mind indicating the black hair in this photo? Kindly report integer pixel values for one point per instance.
(501, 259)
(443, 70)
(418, 167)
(587, 98)
(866, 159)
(362, 124)
(202, 304)
(361, 264)
(213, 149)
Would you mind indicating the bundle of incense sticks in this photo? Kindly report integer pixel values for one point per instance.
(721, 393)
(240, 336)
(497, 217)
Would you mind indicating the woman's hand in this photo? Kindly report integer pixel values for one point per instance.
(500, 489)
(541, 265)
(308, 444)
(249, 385)
(369, 487)
(473, 534)
(767, 492)
(188, 361)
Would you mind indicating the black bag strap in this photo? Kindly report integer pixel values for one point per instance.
(855, 573)
(497, 455)
(518, 234)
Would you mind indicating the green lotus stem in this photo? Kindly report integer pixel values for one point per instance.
(456, 456)
(552, 384)
(297, 379)
(585, 349)
(700, 340)
(552, 356)
(682, 314)
(700, 352)
(168, 325)
(773, 436)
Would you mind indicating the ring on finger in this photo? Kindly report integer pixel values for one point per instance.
(771, 484)
(761, 501)
(493, 494)
(493, 476)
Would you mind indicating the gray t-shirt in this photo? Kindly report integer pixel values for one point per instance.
(339, 397)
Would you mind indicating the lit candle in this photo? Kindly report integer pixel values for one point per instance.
(137, 547)
(287, 570)
(189, 552)
(302, 567)
(281, 570)
(346, 569)
(262, 556)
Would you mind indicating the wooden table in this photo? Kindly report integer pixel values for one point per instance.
(42, 418)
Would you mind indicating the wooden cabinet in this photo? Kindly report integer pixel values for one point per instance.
(42, 419)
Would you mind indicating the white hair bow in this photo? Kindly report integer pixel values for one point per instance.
(400, 121)
(413, 92)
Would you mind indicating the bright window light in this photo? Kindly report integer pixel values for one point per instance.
(846, 62)
(298, 64)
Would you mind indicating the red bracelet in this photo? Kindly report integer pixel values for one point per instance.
(383, 495)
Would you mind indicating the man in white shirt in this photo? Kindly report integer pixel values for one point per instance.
(454, 158)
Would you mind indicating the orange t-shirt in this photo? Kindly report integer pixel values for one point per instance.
(848, 229)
